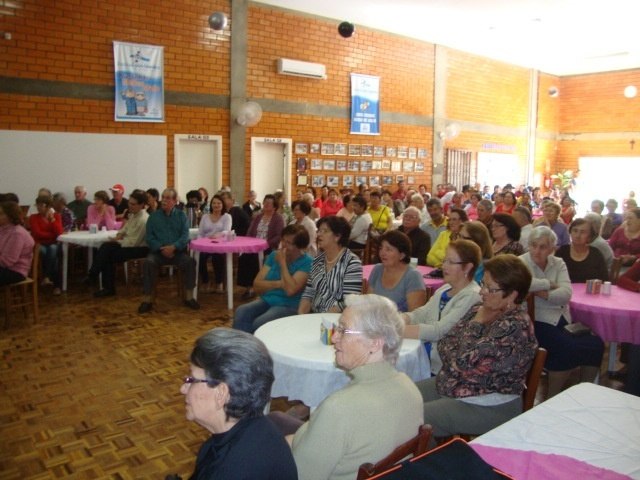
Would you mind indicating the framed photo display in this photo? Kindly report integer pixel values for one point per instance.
(329, 165)
(347, 180)
(354, 150)
(353, 165)
(333, 181)
(378, 151)
(302, 148)
(317, 180)
(374, 181)
(340, 149)
(386, 164)
(367, 151)
(403, 152)
(422, 153)
(396, 166)
(387, 180)
(328, 148)
(413, 152)
(391, 152)
(301, 164)
(316, 164)
(361, 180)
(302, 179)
(341, 165)
(314, 148)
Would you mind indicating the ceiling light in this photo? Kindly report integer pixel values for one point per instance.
(630, 91)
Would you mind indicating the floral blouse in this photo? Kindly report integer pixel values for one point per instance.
(512, 247)
(482, 359)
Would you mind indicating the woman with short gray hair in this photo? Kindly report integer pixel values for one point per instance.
(229, 386)
(551, 287)
(338, 437)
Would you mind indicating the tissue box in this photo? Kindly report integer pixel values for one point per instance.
(326, 332)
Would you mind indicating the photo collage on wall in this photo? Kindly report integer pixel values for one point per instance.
(342, 165)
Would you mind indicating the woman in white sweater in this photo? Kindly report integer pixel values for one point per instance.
(450, 302)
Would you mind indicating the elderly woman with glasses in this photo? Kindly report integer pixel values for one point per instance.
(485, 357)
(381, 407)
(551, 287)
(450, 302)
(226, 392)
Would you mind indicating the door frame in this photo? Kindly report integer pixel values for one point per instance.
(288, 150)
(217, 164)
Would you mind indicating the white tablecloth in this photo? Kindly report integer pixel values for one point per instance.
(596, 425)
(304, 367)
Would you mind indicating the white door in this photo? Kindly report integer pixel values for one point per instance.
(198, 163)
(271, 166)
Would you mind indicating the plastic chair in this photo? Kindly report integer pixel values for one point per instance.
(414, 447)
(15, 294)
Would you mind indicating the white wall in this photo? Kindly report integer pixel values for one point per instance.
(60, 160)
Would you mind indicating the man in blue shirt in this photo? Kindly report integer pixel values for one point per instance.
(168, 237)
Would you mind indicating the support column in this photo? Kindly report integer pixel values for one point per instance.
(532, 127)
(439, 115)
(238, 95)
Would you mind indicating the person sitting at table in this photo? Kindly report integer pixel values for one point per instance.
(551, 287)
(266, 224)
(377, 411)
(346, 211)
(393, 277)
(435, 256)
(629, 279)
(598, 242)
(450, 302)
(79, 205)
(129, 243)
(168, 237)
(279, 282)
(230, 380)
(485, 357)
(212, 225)
(360, 224)
(583, 261)
(100, 213)
(335, 272)
(506, 233)
(59, 204)
(16, 245)
(46, 227)
(625, 240)
(239, 219)
(420, 240)
(479, 234)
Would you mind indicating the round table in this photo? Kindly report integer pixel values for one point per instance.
(85, 239)
(217, 245)
(304, 367)
(432, 284)
(615, 317)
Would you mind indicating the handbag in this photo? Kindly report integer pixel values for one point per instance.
(577, 329)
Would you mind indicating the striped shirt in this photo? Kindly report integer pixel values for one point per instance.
(326, 289)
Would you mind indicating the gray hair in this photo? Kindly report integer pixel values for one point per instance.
(243, 363)
(413, 209)
(595, 220)
(377, 317)
(543, 232)
(488, 204)
(60, 196)
(417, 197)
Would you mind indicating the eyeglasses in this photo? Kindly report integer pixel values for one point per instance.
(451, 262)
(343, 331)
(211, 383)
(484, 286)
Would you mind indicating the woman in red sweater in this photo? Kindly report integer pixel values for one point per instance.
(46, 226)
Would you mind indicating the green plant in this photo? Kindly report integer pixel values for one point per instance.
(563, 179)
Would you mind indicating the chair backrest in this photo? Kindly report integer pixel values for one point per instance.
(531, 307)
(533, 379)
(35, 264)
(415, 446)
(371, 248)
(615, 270)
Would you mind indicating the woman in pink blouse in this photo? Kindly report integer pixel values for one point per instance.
(16, 245)
(100, 213)
(485, 357)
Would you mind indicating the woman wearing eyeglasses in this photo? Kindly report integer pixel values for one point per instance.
(450, 302)
(226, 392)
(377, 411)
(485, 357)
(457, 217)
(506, 233)
(551, 287)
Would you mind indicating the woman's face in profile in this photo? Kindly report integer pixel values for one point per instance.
(349, 344)
(200, 405)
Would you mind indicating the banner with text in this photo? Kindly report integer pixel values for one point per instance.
(139, 79)
(365, 104)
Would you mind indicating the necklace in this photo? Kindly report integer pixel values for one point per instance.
(335, 259)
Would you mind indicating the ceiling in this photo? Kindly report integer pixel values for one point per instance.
(560, 37)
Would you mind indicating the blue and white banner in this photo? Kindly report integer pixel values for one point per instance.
(139, 73)
(365, 104)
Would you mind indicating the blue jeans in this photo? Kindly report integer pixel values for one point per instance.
(49, 255)
(251, 316)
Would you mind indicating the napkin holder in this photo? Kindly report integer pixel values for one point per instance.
(326, 331)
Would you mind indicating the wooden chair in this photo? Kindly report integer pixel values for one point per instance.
(371, 248)
(616, 265)
(533, 379)
(414, 447)
(16, 294)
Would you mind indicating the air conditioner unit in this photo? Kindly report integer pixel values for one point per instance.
(286, 66)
